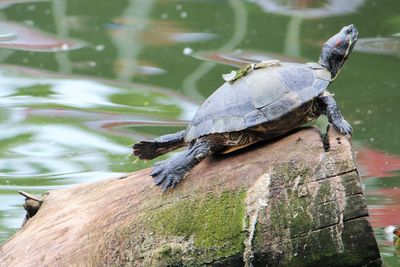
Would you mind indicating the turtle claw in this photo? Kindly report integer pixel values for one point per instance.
(344, 127)
(168, 183)
(157, 169)
(158, 180)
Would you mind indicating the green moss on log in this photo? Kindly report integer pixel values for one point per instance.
(214, 222)
(300, 218)
(324, 193)
(290, 171)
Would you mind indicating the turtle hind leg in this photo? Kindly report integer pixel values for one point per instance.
(150, 149)
(168, 173)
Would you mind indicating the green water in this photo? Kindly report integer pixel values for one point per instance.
(82, 80)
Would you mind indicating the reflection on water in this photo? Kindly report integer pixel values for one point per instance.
(380, 172)
(69, 115)
(311, 8)
(18, 36)
(239, 58)
(374, 163)
(7, 3)
(379, 45)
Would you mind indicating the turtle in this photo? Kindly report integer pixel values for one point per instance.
(261, 101)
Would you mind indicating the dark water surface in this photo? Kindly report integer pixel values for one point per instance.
(82, 80)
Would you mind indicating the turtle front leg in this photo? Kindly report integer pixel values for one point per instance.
(168, 173)
(327, 105)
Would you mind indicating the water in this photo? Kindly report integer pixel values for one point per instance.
(82, 80)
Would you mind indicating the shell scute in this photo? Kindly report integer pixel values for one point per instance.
(297, 76)
(265, 87)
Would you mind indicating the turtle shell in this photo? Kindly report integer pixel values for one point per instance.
(263, 95)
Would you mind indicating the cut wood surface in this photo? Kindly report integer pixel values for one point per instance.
(288, 202)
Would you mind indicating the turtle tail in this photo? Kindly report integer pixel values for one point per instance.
(150, 149)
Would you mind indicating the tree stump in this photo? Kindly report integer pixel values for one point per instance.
(288, 202)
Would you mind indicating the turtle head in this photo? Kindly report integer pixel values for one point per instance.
(337, 49)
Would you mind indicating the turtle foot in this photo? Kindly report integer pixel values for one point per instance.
(170, 172)
(150, 149)
(166, 174)
(146, 149)
(344, 127)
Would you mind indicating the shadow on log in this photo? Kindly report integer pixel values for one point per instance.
(285, 203)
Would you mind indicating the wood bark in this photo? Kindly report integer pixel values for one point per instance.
(288, 202)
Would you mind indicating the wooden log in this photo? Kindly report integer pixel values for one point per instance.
(289, 202)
